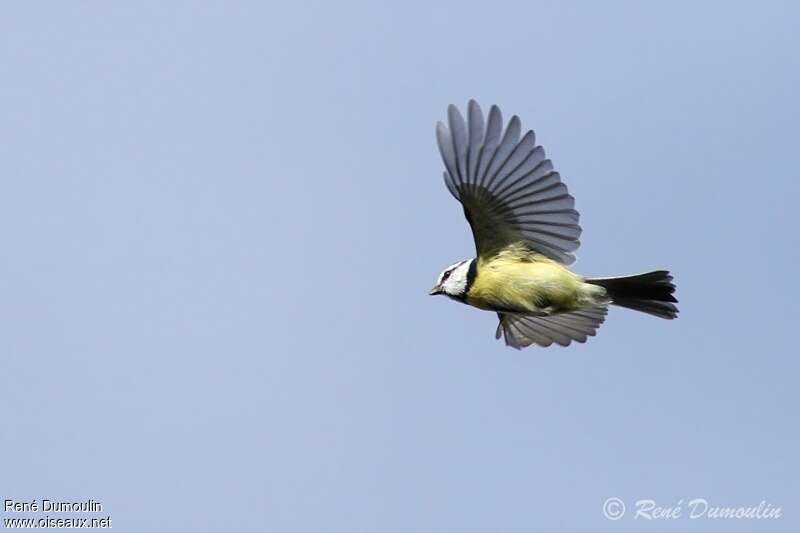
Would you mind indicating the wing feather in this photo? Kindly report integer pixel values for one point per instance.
(445, 142)
(505, 150)
(520, 331)
(494, 129)
(476, 130)
(535, 162)
(510, 192)
(519, 154)
(458, 132)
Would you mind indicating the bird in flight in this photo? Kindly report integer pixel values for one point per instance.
(526, 229)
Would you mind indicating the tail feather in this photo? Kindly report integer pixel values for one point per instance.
(649, 293)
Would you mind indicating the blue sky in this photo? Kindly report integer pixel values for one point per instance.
(220, 222)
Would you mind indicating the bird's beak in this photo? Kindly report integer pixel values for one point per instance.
(437, 289)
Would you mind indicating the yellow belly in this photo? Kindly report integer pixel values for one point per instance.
(508, 283)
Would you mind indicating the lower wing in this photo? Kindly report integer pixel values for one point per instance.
(521, 331)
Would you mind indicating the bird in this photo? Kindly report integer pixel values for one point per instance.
(526, 230)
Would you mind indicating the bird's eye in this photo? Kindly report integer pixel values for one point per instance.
(446, 275)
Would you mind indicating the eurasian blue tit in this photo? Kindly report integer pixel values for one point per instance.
(526, 229)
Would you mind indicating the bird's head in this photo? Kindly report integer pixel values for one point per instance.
(454, 280)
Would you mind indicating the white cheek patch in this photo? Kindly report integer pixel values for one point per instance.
(456, 284)
(449, 269)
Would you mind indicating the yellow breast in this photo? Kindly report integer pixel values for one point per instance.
(524, 284)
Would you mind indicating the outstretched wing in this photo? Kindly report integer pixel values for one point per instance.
(510, 192)
(521, 331)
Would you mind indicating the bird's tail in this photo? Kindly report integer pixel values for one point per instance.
(649, 293)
